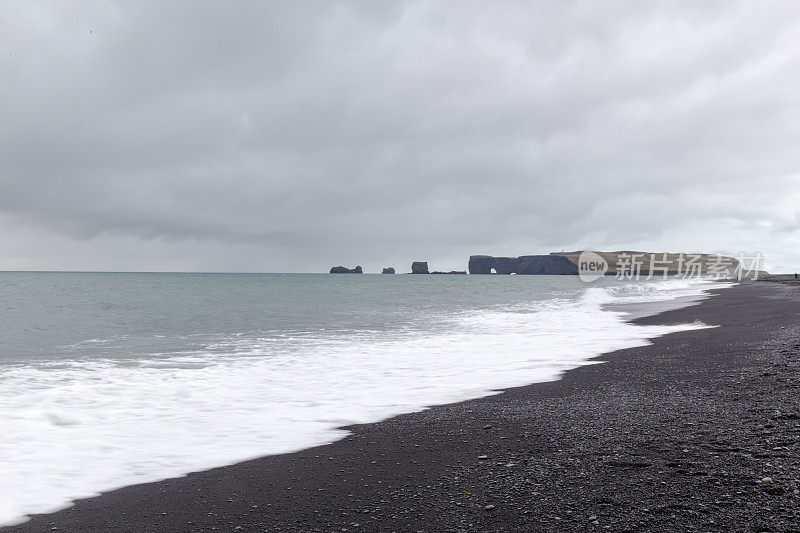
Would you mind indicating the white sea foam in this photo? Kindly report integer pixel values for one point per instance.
(80, 427)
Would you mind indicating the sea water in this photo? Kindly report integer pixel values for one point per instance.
(111, 379)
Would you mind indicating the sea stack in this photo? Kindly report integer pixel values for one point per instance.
(388, 270)
(345, 270)
(419, 267)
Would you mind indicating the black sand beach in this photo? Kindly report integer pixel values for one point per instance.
(676, 436)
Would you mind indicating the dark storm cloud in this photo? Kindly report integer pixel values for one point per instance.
(292, 135)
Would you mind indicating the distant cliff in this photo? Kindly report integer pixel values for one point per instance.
(566, 263)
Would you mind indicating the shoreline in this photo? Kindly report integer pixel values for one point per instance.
(558, 453)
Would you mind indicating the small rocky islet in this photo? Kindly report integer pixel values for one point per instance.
(417, 267)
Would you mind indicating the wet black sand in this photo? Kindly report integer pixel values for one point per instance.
(676, 436)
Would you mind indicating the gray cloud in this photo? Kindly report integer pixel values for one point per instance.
(295, 135)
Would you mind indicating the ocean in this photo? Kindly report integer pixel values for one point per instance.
(111, 379)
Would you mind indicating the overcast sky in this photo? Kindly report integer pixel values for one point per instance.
(294, 136)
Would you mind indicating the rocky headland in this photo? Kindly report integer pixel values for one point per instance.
(568, 263)
(525, 264)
